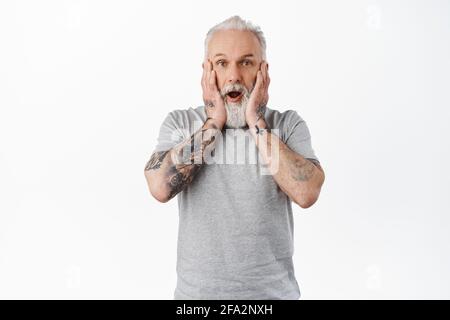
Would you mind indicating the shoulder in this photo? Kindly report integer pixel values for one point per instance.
(190, 113)
(187, 119)
(286, 122)
(285, 118)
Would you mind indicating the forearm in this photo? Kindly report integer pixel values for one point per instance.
(169, 172)
(298, 177)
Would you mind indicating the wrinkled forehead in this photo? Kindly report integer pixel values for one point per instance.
(234, 44)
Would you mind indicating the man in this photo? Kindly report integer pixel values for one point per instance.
(235, 236)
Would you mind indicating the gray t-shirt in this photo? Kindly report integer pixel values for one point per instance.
(235, 236)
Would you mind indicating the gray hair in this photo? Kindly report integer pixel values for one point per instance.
(237, 23)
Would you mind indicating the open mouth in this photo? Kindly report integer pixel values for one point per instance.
(234, 95)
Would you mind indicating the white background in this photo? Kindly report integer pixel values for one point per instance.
(85, 85)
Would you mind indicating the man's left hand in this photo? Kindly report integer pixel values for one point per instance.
(259, 97)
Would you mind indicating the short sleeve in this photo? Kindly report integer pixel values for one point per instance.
(298, 136)
(170, 133)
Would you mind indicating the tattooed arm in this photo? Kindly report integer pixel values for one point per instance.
(300, 178)
(169, 172)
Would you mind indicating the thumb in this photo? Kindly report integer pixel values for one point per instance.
(212, 81)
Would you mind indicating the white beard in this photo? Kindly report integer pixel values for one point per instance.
(236, 111)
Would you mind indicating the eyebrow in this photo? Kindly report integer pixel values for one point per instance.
(249, 55)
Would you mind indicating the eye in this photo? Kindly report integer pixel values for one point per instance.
(221, 63)
(246, 63)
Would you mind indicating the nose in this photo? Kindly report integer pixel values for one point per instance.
(234, 74)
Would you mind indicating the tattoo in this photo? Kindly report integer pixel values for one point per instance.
(196, 150)
(186, 165)
(315, 162)
(303, 170)
(185, 159)
(260, 111)
(209, 103)
(155, 160)
(179, 178)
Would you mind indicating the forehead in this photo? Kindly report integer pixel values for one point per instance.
(234, 43)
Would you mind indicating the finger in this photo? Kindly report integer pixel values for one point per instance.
(208, 72)
(212, 81)
(259, 81)
(266, 75)
(266, 98)
(203, 76)
(205, 66)
(264, 71)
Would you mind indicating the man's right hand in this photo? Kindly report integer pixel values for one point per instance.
(214, 104)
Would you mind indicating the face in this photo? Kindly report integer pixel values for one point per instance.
(236, 58)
